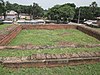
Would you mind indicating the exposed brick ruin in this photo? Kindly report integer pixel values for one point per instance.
(10, 33)
(50, 60)
(47, 60)
(40, 47)
(49, 27)
(84, 29)
(89, 31)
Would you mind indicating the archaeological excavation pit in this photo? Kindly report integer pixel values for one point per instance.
(26, 40)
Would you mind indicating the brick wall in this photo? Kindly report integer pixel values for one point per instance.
(89, 31)
(55, 26)
(12, 34)
(84, 29)
(50, 60)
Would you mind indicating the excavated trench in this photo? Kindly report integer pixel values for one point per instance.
(48, 60)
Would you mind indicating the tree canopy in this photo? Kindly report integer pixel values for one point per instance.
(88, 12)
(61, 12)
(2, 4)
(34, 9)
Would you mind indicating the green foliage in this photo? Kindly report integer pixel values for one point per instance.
(2, 7)
(10, 53)
(61, 12)
(34, 10)
(50, 37)
(85, 13)
(37, 11)
(91, 69)
(94, 4)
(88, 12)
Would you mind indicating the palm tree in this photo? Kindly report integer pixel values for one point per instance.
(93, 4)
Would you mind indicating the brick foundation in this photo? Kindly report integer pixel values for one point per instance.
(48, 60)
(6, 38)
(51, 60)
(11, 35)
(89, 31)
(84, 29)
(50, 27)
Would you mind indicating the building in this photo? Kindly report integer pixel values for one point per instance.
(11, 16)
(1, 17)
(24, 16)
(98, 21)
(31, 22)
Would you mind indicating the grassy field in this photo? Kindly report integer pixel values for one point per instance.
(51, 37)
(4, 26)
(7, 53)
(92, 69)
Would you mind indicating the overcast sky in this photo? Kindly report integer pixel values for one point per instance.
(50, 3)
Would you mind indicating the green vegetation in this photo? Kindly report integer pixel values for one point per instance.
(33, 10)
(92, 69)
(8, 53)
(52, 37)
(4, 26)
(61, 12)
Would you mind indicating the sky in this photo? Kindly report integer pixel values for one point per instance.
(50, 3)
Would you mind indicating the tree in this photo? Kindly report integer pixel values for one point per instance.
(61, 13)
(3, 8)
(8, 5)
(93, 6)
(88, 12)
(37, 11)
(2, 4)
(97, 12)
(85, 13)
(71, 4)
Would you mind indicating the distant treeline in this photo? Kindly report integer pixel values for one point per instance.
(64, 12)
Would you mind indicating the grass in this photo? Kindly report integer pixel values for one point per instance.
(92, 69)
(51, 37)
(4, 26)
(9, 53)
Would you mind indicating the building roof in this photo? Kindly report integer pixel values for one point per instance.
(11, 13)
(31, 21)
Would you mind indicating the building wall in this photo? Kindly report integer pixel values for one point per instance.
(13, 18)
(98, 21)
(12, 34)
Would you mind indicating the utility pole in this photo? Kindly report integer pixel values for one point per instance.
(79, 16)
